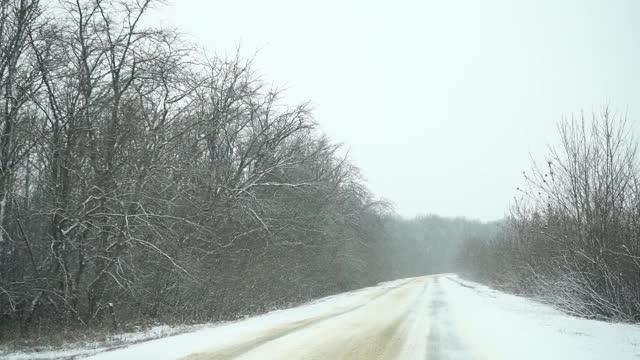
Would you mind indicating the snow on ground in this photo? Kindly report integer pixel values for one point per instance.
(432, 317)
(502, 326)
(80, 349)
(177, 346)
(378, 330)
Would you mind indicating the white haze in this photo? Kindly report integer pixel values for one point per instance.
(440, 103)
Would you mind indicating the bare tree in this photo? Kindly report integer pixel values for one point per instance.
(570, 239)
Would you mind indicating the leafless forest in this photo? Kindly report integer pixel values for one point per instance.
(144, 181)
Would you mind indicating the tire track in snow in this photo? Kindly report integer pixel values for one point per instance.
(378, 330)
(442, 341)
(394, 340)
(271, 334)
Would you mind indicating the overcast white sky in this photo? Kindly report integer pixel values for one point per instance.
(440, 103)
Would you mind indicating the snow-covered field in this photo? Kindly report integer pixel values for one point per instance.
(432, 317)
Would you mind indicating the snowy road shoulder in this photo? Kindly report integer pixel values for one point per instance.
(496, 325)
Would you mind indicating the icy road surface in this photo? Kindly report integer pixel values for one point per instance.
(432, 317)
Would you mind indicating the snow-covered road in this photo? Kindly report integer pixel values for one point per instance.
(432, 317)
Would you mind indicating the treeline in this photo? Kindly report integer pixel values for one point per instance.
(143, 181)
(573, 236)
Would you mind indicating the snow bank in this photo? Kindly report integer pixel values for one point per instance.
(495, 325)
(83, 349)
